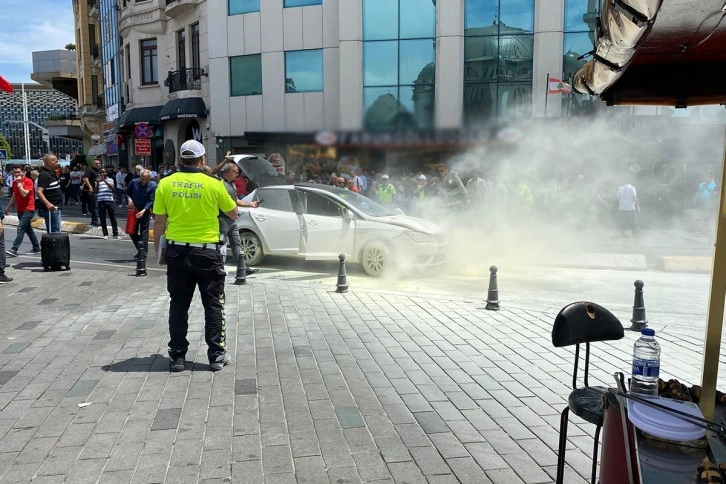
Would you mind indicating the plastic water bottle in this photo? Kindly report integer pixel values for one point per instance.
(646, 364)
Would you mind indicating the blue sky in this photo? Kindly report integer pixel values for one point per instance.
(28, 26)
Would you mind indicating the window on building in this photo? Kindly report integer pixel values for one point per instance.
(580, 22)
(302, 3)
(128, 61)
(245, 72)
(498, 59)
(304, 71)
(399, 57)
(149, 68)
(196, 62)
(181, 49)
(237, 7)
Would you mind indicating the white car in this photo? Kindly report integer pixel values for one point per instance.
(319, 222)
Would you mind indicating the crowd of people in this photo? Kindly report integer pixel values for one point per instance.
(574, 200)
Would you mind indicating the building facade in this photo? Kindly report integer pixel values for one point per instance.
(106, 146)
(90, 73)
(164, 79)
(282, 68)
(391, 81)
(43, 104)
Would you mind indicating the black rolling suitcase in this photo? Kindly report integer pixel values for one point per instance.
(55, 251)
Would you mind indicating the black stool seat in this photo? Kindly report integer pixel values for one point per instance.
(587, 403)
(579, 323)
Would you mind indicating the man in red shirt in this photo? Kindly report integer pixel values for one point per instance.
(23, 198)
(240, 184)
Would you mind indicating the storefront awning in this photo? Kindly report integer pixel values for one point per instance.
(188, 107)
(148, 114)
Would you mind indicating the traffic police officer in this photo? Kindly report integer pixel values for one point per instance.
(185, 210)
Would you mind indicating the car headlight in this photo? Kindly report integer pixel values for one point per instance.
(420, 237)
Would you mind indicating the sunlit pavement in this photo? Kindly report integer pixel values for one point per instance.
(402, 379)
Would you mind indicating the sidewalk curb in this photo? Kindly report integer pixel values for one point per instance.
(67, 227)
(679, 263)
(586, 260)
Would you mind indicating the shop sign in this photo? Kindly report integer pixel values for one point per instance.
(142, 147)
(413, 138)
(111, 113)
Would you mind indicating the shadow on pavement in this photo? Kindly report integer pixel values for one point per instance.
(31, 266)
(155, 363)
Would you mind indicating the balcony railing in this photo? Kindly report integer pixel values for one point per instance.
(63, 115)
(185, 79)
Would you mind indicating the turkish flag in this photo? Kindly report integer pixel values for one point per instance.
(5, 85)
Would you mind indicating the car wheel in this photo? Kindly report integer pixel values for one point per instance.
(376, 259)
(252, 248)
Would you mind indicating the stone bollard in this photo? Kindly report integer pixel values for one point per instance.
(638, 320)
(141, 260)
(240, 278)
(342, 284)
(493, 293)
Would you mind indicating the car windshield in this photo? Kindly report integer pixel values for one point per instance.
(364, 204)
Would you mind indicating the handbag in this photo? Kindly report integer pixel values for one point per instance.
(131, 221)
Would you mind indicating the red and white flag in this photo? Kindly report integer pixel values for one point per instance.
(555, 86)
(5, 85)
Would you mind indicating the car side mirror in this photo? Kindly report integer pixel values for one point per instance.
(347, 215)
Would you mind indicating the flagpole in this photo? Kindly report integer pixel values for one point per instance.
(547, 93)
(26, 127)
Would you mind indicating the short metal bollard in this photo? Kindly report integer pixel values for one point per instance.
(493, 292)
(342, 284)
(240, 278)
(140, 260)
(638, 320)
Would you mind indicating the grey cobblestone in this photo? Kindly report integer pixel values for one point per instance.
(402, 388)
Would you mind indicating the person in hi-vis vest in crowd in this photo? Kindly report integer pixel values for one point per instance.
(385, 191)
(185, 212)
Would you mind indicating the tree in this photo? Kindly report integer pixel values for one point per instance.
(4, 145)
(70, 46)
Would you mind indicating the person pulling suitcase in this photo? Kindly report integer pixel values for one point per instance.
(50, 194)
(55, 246)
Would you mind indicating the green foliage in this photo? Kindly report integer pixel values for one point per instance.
(6, 146)
(70, 46)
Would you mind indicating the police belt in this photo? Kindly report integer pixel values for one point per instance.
(208, 245)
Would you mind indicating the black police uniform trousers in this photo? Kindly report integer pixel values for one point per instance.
(187, 268)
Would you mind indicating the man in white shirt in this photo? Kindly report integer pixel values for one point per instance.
(628, 207)
(154, 173)
(120, 186)
(76, 175)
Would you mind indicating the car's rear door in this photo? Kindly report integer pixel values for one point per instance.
(326, 231)
(277, 220)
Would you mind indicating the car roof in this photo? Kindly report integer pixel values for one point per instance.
(319, 186)
(316, 186)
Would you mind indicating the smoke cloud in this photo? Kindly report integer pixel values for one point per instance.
(551, 189)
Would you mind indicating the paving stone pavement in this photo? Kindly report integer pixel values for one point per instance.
(367, 386)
